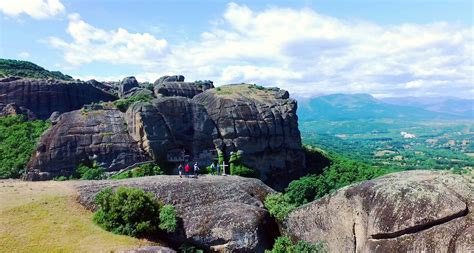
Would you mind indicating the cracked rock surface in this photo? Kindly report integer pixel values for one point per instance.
(225, 214)
(412, 211)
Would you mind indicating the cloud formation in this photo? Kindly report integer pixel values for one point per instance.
(37, 9)
(296, 49)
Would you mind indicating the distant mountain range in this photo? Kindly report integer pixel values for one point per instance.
(457, 106)
(364, 106)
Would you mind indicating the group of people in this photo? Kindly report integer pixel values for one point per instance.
(186, 170)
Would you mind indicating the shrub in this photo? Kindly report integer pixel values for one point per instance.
(129, 211)
(168, 220)
(18, 138)
(90, 173)
(148, 169)
(283, 244)
(123, 103)
(278, 205)
(238, 169)
(60, 178)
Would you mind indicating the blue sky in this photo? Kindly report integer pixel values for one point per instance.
(386, 48)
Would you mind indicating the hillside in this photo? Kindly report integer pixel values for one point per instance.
(44, 217)
(457, 106)
(337, 107)
(27, 69)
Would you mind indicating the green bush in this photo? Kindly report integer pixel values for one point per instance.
(18, 138)
(238, 169)
(148, 169)
(90, 173)
(123, 103)
(283, 244)
(132, 211)
(60, 178)
(168, 220)
(278, 205)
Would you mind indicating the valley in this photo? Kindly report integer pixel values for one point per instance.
(399, 144)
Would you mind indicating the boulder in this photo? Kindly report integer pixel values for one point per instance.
(214, 212)
(183, 89)
(84, 136)
(44, 97)
(127, 84)
(165, 79)
(171, 123)
(263, 124)
(13, 109)
(412, 211)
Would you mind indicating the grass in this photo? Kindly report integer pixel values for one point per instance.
(44, 217)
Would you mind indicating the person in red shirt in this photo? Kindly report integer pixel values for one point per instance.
(187, 168)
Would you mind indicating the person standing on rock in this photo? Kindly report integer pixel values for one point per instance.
(196, 169)
(180, 170)
(186, 170)
(213, 168)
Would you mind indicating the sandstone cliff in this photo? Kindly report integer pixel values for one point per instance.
(263, 124)
(412, 211)
(84, 136)
(43, 97)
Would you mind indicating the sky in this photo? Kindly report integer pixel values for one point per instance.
(384, 48)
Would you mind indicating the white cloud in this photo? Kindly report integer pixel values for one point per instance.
(299, 50)
(119, 46)
(23, 55)
(38, 9)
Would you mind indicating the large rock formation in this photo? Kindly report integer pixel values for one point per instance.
(127, 84)
(413, 211)
(263, 124)
(171, 123)
(82, 136)
(219, 213)
(44, 97)
(183, 89)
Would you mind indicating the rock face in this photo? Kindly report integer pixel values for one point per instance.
(43, 97)
(219, 213)
(263, 124)
(413, 211)
(166, 79)
(13, 109)
(171, 123)
(182, 89)
(80, 137)
(127, 84)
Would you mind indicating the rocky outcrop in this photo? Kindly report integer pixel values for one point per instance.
(219, 213)
(127, 84)
(43, 97)
(80, 137)
(167, 79)
(413, 211)
(171, 123)
(182, 89)
(263, 124)
(13, 109)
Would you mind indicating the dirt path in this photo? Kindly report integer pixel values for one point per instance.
(44, 217)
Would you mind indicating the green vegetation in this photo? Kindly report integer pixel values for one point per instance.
(143, 170)
(27, 69)
(123, 103)
(94, 172)
(168, 220)
(18, 138)
(434, 144)
(132, 211)
(278, 205)
(283, 244)
(340, 173)
(238, 169)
